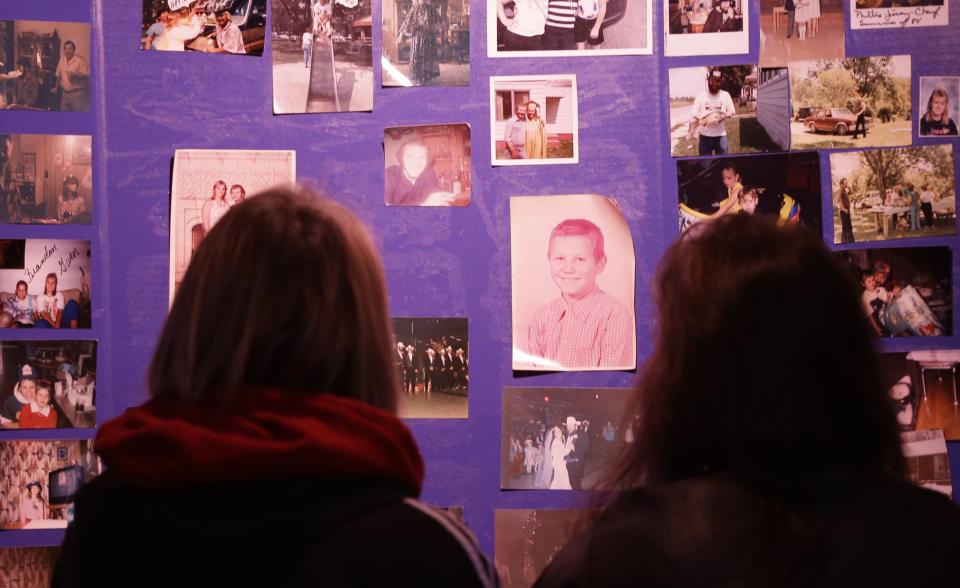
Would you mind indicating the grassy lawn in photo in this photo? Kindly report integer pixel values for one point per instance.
(745, 134)
(891, 134)
(865, 229)
(564, 149)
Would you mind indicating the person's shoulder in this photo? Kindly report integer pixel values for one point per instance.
(610, 304)
(549, 311)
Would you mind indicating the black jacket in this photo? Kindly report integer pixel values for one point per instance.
(297, 532)
(846, 530)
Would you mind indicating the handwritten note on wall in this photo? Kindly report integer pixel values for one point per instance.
(895, 17)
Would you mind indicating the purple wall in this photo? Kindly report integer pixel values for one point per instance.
(440, 262)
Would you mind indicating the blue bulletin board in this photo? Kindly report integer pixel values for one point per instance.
(440, 262)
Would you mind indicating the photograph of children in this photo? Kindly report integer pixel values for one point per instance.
(730, 109)
(527, 540)
(572, 268)
(706, 27)
(427, 165)
(559, 438)
(927, 461)
(939, 108)
(44, 65)
(27, 567)
(801, 30)
(571, 28)
(533, 121)
(856, 102)
(39, 481)
(786, 186)
(896, 14)
(48, 384)
(433, 359)
(322, 56)
(237, 27)
(907, 292)
(206, 183)
(893, 194)
(426, 43)
(46, 179)
(923, 388)
(45, 284)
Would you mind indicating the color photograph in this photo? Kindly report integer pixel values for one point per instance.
(527, 540)
(45, 284)
(856, 102)
(533, 120)
(922, 385)
(893, 194)
(425, 43)
(234, 27)
(433, 361)
(427, 165)
(46, 179)
(44, 65)
(710, 27)
(927, 460)
(939, 107)
(27, 567)
(800, 30)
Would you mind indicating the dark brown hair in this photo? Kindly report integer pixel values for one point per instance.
(763, 367)
(287, 291)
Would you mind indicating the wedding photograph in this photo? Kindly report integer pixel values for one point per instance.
(233, 27)
(533, 120)
(801, 30)
(433, 362)
(46, 179)
(711, 27)
(427, 165)
(425, 43)
(45, 65)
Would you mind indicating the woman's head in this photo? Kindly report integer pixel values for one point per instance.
(219, 190)
(287, 291)
(50, 284)
(763, 366)
(730, 175)
(938, 106)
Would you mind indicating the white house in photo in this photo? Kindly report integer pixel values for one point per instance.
(773, 105)
(556, 98)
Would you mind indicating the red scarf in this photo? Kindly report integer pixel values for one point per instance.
(270, 434)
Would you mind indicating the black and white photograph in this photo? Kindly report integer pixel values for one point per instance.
(48, 384)
(560, 438)
(45, 284)
(854, 102)
(27, 567)
(705, 27)
(322, 56)
(533, 120)
(433, 361)
(233, 27)
(206, 183)
(729, 109)
(939, 107)
(801, 30)
(922, 385)
(427, 165)
(927, 460)
(425, 43)
(39, 481)
(907, 292)
(883, 194)
(44, 65)
(569, 28)
(46, 179)
(898, 14)
(783, 185)
(573, 273)
(527, 540)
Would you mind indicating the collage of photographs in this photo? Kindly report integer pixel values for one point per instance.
(795, 129)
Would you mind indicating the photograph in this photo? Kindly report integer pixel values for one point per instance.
(46, 179)
(426, 43)
(939, 107)
(784, 185)
(800, 30)
(48, 384)
(907, 292)
(572, 272)
(569, 28)
(433, 359)
(893, 194)
(898, 14)
(45, 284)
(560, 438)
(927, 461)
(856, 102)
(322, 56)
(27, 567)
(206, 183)
(237, 27)
(44, 65)
(39, 481)
(427, 165)
(527, 540)
(706, 27)
(729, 109)
(533, 120)
(922, 385)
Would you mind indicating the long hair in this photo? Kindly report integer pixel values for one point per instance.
(287, 291)
(763, 367)
(945, 117)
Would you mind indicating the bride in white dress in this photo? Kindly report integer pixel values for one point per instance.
(558, 451)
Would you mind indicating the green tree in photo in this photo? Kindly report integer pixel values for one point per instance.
(834, 87)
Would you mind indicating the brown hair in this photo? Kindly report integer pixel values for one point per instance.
(287, 291)
(763, 366)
